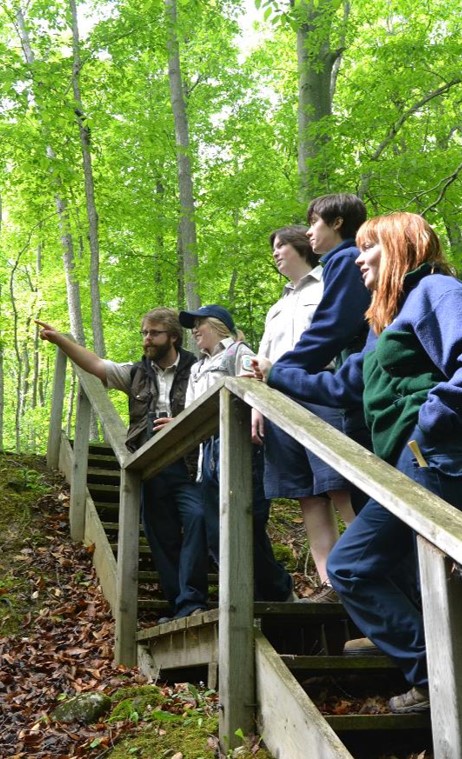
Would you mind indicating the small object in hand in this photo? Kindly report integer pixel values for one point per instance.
(152, 416)
(414, 446)
(247, 365)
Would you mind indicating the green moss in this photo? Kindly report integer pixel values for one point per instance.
(135, 703)
(159, 741)
(285, 555)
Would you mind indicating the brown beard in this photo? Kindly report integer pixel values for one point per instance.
(157, 352)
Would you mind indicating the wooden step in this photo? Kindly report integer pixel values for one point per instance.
(104, 493)
(99, 475)
(336, 664)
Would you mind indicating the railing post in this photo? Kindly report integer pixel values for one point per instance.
(442, 607)
(236, 667)
(57, 403)
(80, 467)
(127, 568)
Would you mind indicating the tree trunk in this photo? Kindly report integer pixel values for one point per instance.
(317, 71)
(187, 241)
(92, 215)
(73, 289)
(2, 380)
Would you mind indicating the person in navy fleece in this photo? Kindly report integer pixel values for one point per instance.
(409, 379)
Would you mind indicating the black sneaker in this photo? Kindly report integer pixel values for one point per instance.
(193, 613)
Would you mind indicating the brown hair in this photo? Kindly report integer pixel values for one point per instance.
(407, 241)
(295, 235)
(169, 318)
(343, 205)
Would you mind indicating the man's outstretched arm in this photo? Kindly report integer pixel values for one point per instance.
(84, 358)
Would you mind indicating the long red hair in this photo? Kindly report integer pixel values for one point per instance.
(407, 241)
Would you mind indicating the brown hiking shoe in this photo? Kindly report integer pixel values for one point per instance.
(325, 594)
(415, 700)
(360, 647)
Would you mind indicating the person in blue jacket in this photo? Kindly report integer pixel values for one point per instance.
(338, 326)
(409, 380)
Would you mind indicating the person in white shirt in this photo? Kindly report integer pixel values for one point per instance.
(292, 471)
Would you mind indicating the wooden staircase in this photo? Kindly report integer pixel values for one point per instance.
(303, 643)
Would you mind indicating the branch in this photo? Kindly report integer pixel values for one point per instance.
(446, 183)
(410, 111)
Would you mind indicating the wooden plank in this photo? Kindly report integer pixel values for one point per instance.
(127, 569)
(56, 414)
(442, 607)
(236, 656)
(328, 664)
(65, 457)
(103, 557)
(391, 723)
(427, 514)
(318, 612)
(79, 468)
(113, 427)
(208, 617)
(290, 724)
(198, 422)
(189, 643)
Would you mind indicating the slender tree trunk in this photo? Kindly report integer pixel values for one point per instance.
(317, 71)
(187, 241)
(73, 289)
(2, 381)
(92, 215)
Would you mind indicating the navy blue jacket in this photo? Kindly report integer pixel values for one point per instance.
(411, 374)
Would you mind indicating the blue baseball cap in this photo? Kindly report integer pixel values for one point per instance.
(187, 318)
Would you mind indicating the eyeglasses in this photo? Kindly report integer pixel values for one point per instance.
(153, 332)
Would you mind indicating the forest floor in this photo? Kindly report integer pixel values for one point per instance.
(57, 637)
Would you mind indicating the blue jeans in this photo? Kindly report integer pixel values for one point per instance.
(362, 564)
(272, 581)
(173, 521)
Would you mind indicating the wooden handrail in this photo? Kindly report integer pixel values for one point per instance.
(437, 524)
(426, 513)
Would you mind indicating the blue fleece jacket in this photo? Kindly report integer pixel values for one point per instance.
(411, 374)
(338, 323)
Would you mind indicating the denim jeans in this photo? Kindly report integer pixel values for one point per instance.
(272, 581)
(362, 564)
(173, 520)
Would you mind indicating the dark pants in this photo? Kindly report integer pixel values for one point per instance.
(362, 563)
(173, 520)
(354, 426)
(272, 581)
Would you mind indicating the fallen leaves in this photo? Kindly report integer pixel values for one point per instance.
(65, 647)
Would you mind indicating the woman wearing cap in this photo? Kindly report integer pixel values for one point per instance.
(292, 471)
(409, 380)
(222, 350)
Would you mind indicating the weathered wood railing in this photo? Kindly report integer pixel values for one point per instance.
(226, 408)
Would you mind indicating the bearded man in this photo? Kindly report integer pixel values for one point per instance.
(171, 504)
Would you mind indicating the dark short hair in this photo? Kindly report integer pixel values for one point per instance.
(295, 235)
(347, 206)
(170, 320)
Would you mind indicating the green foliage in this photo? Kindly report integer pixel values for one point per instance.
(393, 135)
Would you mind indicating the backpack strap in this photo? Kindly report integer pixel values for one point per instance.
(229, 359)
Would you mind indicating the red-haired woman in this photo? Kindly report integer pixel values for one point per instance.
(409, 379)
